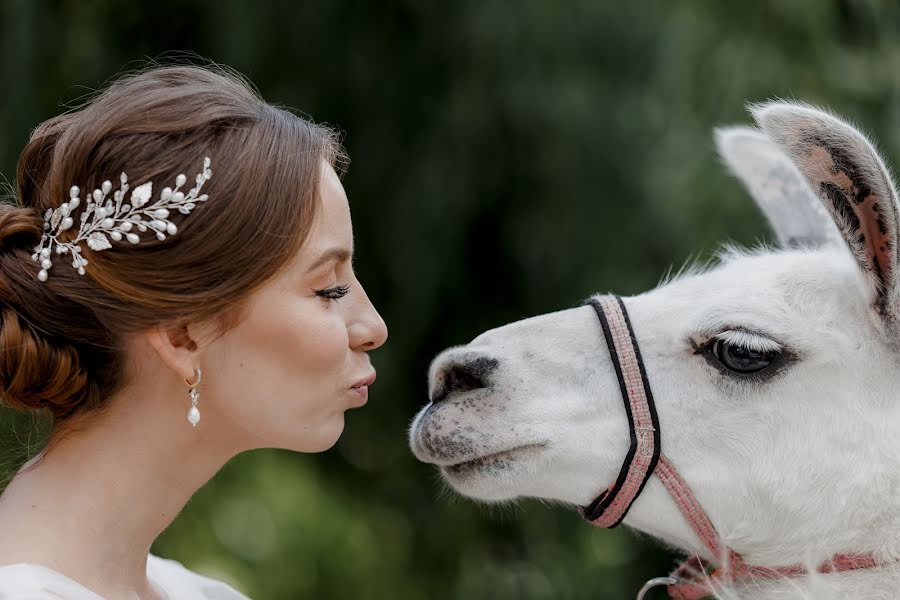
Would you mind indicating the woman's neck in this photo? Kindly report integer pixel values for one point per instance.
(92, 506)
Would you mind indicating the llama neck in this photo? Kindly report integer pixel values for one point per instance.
(880, 583)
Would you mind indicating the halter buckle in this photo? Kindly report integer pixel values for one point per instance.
(656, 582)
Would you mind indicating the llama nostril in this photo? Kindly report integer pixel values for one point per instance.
(465, 377)
(461, 380)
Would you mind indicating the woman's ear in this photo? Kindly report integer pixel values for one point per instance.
(176, 348)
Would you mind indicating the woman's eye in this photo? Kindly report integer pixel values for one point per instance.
(334, 293)
(740, 359)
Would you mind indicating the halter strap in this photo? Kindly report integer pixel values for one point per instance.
(694, 579)
(612, 505)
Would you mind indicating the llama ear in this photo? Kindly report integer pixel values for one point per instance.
(779, 189)
(849, 177)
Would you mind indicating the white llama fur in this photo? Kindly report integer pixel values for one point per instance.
(792, 467)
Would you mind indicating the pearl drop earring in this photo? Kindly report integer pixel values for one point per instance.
(194, 414)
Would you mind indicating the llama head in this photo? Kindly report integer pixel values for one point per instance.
(773, 372)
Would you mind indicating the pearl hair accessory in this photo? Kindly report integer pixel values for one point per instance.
(104, 217)
(194, 413)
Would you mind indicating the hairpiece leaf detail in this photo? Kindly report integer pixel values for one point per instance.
(106, 218)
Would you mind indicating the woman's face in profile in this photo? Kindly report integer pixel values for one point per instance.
(285, 375)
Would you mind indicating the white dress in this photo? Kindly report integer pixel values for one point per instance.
(35, 582)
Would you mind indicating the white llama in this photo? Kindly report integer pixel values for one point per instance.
(774, 374)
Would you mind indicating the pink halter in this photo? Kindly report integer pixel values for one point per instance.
(690, 581)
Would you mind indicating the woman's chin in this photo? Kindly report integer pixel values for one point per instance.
(317, 438)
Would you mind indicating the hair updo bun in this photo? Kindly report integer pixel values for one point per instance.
(34, 373)
(63, 342)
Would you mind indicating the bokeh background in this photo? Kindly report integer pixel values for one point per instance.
(508, 159)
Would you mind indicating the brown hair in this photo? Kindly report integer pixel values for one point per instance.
(61, 341)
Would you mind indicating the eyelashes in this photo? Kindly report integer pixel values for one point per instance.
(334, 293)
(748, 340)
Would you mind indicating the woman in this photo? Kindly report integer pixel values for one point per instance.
(200, 305)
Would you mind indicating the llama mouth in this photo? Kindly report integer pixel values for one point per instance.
(495, 461)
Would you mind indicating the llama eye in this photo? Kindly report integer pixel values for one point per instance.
(740, 359)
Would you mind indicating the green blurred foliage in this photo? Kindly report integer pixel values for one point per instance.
(509, 158)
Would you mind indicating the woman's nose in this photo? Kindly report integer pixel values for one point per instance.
(378, 332)
(369, 331)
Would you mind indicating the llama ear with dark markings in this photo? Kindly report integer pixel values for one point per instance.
(849, 177)
(779, 189)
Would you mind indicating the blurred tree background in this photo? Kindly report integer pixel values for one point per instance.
(509, 158)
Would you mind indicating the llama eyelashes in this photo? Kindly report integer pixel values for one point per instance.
(749, 340)
(736, 335)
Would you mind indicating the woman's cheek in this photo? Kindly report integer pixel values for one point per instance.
(322, 344)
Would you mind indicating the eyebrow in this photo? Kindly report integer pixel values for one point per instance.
(333, 254)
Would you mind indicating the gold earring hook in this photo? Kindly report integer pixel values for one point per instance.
(196, 383)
